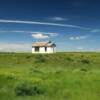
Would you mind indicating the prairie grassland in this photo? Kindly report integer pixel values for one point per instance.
(59, 76)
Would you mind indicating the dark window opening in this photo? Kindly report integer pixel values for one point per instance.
(45, 49)
(37, 49)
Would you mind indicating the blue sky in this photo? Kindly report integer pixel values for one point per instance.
(74, 25)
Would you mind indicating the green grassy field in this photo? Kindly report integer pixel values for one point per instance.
(60, 76)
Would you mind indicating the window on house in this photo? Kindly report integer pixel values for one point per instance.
(45, 49)
(36, 49)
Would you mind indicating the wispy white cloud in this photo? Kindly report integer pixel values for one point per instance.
(40, 36)
(43, 35)
(15, 31)
(43, 23)
(58, 19)
(50, 34)
(80, 48)
(95, 30)
(14, 47)
(78, 37)
(37, 35)
(19, 31)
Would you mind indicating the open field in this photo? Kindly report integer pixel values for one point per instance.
(60, 76)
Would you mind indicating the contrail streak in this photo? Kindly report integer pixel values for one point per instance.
(43, 23)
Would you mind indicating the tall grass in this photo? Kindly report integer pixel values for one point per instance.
(59, 76)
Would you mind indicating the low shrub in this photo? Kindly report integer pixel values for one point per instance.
(28, 57)
(83, 69)
(85, 61)
(40, 59)
(7, 77)
(11, 77)
(69, 59)
(28, 90)
(82, 56)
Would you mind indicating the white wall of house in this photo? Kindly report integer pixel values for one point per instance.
(33, 50)
(42, 50)
(50, 49)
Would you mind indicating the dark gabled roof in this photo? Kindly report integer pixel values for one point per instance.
(43, 44)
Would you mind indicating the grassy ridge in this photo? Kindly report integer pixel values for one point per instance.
(60, 76)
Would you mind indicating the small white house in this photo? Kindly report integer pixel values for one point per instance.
(43, 47)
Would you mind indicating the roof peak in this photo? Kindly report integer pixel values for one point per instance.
(43, 44)
(44, 41)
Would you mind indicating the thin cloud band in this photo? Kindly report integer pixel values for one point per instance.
(43, 23)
